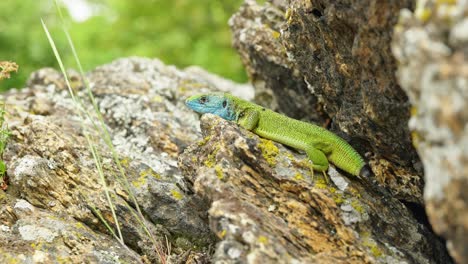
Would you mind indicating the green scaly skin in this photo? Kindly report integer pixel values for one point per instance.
(320, 144)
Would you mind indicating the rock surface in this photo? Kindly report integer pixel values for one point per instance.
(267, 206)
(330, 62)
(50, 165)
(249, 199)
(431, 45)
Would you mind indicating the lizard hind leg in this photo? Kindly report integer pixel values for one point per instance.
(319, 160)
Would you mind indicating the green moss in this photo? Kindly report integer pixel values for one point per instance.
(269, 151)
(177, 195)
(219, 172)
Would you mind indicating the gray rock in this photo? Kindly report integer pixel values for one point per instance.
(50, 164)
(431, 47)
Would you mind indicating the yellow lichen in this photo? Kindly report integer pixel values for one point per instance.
(415, 138)
(320, 183)
(338, 198)
(9, 258)
(413, 110)
(446, 2)
(299, 176)
(124, 162)
(357, 206)
(287, 14)
(375, 250)
(219, 172)
(139, 182)
(423, 14)
(222, 234)
(211, 158)
(63, 259)
(355, 193)
(150, 172)
(209, 162)
(177, 195)
(203, 141)
(275, 34)
(262, 240)
(269, 151)
(373, 247)
(157, 99)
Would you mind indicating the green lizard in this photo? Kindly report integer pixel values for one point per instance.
(320, 144)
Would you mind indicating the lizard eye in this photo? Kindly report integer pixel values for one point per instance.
(203, 99)
(224, 104)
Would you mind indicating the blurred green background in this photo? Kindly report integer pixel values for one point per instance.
(179, 32)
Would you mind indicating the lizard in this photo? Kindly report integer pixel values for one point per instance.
(320, 145)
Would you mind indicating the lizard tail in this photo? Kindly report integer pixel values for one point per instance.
(366, 172)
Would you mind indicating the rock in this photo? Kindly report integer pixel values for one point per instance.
(267, 206)
(32, 235)
(50, 164)
(431, 47)
(330, 62)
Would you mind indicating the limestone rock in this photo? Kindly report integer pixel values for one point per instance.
(431, 47)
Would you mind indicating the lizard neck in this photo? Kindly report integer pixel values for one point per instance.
(229, 112)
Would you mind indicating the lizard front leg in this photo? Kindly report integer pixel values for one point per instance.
(248, 118)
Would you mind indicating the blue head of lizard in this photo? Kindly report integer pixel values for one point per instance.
(215, 103)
